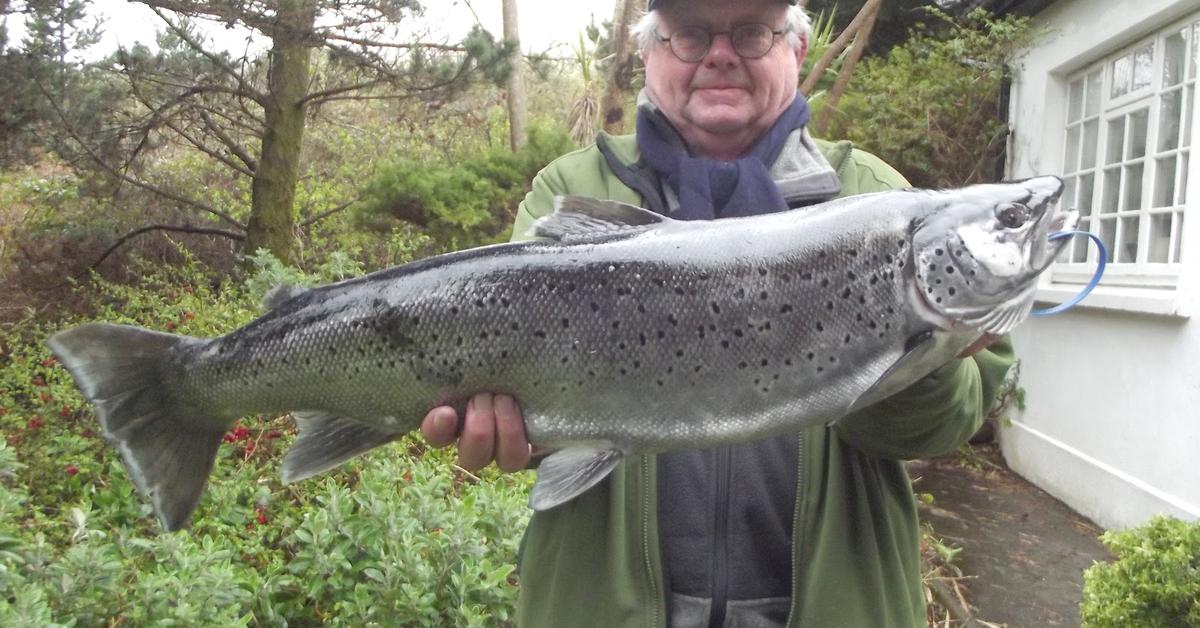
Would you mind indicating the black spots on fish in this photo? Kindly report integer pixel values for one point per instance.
(725, 344)
(847, 339)
(851, 276)
(680, 291)
(820, 326)
(740, 293)
(679, 353)
(763, 296)
(807, 276)
(825, 282)
(539, 334)
(566, 322)
(595, 306)
(700, 331)
(765, 362)
(526, 288)
(786, 308)
(661, 334)
(624, 291)
(715, 307)
(739, 333)
(672, 320)
(479, 303)
(616, 324)
(743, 364)
(641, 308)
(829, 305)
(641, 339)
(659, 282)
(454, 310)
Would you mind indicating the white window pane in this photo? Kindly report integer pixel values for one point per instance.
(1175, 58)
(1108, 235)
(1177, 254)
(1189, 110)
(1183, 167)
(1122, 74)
(1129, 239)
(1160, 239)
(1086, 185)
(1138, 121)
(1164, 182)
(1075, 101)
(1168, 120)
(1094, 82)
(1079, 246)
(1112, 189)
(1091, 133)
(1195, 51)
(1068, 194)
(1133, 187)
(1143, 67)
(1072, 157)
(1116, 140)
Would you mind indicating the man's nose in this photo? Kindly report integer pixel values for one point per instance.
(720, 52)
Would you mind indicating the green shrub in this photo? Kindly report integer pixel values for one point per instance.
(399, 536)
(1154, 581)
(931, 108)
(466, 203)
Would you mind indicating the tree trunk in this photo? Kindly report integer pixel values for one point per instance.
(273, 191)
(517, 110)
(620, 71)
(862, 38)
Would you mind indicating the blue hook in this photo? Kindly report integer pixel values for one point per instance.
(1103, 255)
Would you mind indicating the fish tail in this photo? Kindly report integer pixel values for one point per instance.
(168, 449)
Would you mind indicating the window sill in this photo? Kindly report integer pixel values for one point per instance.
(1122, 299)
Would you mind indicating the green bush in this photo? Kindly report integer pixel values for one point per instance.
(399, 536)
(460, 204)
(931, 108)
(1154, 581)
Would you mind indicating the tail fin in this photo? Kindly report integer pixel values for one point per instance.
(168, 450)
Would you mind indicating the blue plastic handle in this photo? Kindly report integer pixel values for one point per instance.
(1103, 253)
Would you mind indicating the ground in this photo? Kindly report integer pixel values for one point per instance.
(1023, 551)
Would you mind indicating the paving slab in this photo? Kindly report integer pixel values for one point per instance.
(1024, 551)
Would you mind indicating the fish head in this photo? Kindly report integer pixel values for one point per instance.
(979, 253)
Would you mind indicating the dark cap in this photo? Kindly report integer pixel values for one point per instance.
(654, 4)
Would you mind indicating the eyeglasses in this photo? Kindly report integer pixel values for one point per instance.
(750, 41)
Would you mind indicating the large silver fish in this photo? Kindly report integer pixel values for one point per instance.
(619, 331)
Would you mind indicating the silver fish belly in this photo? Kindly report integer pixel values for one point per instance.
(622, 332)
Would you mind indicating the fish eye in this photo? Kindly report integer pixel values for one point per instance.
(1012, 215)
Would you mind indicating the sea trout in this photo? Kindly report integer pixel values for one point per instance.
(618, 331)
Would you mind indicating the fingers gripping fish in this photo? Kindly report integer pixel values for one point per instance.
(619, 331)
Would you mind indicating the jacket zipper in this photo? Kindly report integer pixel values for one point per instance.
(797, 529)
(655, 597)
(720, 562)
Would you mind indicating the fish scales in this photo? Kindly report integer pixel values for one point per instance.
(623, 332)
(685, 341)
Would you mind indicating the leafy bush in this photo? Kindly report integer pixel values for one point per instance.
(460, 204)
(399, 536)
(1154, 581)
(931, 108)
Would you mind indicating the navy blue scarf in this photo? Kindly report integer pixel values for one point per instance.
(711, 188)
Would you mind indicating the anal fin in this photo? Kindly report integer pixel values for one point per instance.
(327, 441)
(566, 474)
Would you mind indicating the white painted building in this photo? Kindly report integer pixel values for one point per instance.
(1108, 101)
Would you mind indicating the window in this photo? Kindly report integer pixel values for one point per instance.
(1125, 166)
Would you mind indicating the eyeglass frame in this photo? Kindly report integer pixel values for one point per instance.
(775, 34)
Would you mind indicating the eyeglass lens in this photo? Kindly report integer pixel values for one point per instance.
(750, 41)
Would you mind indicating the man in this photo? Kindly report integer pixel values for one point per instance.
(815, 529)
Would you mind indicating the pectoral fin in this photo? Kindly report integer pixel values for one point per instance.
(919, 351)
(327, 441)
(566, 474)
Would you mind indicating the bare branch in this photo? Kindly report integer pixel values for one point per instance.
(125, 177)
(204, 148)
(327, 213)
(176, 228)
(234, 147)
(397, 45)
(182, 34)
(326, 95)
(228, 12)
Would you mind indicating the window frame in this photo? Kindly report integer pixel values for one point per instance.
(1153, 97)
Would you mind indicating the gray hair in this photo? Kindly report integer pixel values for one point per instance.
(798, 28)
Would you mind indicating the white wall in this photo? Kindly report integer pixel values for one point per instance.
(1112, 418)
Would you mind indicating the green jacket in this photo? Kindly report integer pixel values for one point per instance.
(595, 561)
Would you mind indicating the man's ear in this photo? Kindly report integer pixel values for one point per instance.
(801, 52)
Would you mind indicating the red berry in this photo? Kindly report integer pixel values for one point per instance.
(34, 423)
(72, 470)
(49, 362)
(64, 412)
(171, 326)
(39, 380)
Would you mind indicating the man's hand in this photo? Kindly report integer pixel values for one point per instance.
(493, 429)
(984, 342)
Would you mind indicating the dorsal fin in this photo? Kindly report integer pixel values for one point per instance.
(579, 217)
(279, 294)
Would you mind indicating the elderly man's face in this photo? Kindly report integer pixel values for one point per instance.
(722, 104)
